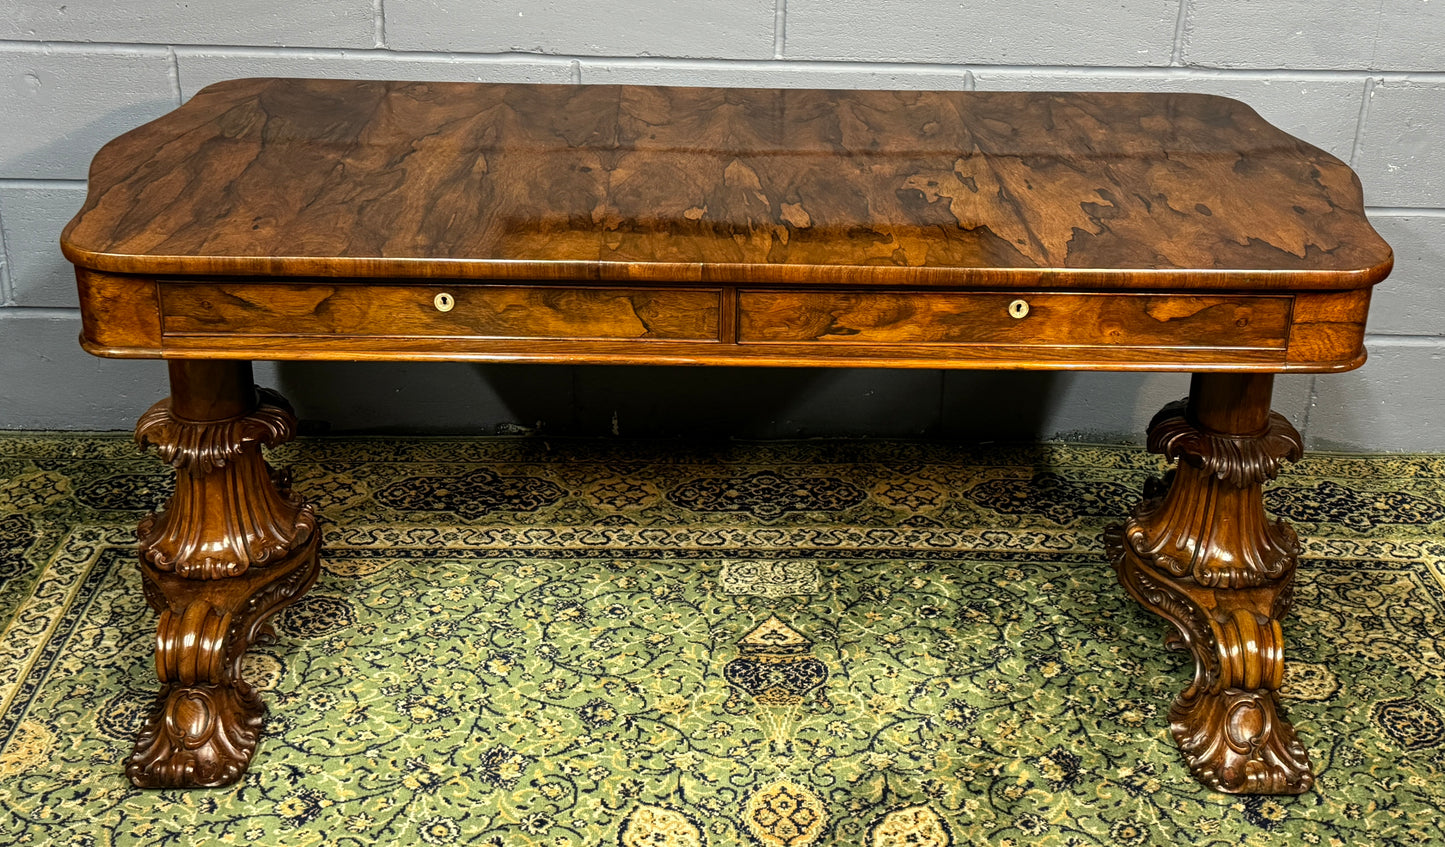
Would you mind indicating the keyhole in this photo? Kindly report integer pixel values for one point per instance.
(1019, 308)
(444, 302)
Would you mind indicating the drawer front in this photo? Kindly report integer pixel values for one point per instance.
(429, 311)
(1014, 318)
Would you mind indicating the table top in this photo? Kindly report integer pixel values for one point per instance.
(358, 179)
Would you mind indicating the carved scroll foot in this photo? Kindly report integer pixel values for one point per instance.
(203, 728)
(197, 737)
(230, 549)
(1200, 552)
(1228, 722)
(1237, 742)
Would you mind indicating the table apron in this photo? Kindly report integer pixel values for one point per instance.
(452, 320)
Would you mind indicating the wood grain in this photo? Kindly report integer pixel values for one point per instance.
(336, 320)
(1134, 320)
(798, 354)
(420, 180)
(476, 311)
(118, 312)
(1329, 326)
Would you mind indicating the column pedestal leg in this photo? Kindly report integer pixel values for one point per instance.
(231, 548)
(1200, 552)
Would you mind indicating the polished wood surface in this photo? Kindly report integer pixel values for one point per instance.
(229, 550)
(476, 311)
(835, 326)
(308, 219)
(1200, 552)
(1045, 190)
(1043, 319)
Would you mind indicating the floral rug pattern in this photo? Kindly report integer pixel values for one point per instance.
(524, 642)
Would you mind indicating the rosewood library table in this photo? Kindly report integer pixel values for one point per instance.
(323, 219)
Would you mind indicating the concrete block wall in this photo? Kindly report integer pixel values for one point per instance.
(1364, 81)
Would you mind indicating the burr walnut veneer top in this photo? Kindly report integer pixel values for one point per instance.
(332, 178)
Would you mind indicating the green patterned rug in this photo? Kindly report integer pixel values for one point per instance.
(522, 642)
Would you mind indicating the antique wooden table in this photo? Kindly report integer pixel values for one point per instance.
(307, 219)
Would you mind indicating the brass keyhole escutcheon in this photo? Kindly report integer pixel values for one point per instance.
(444, 302)
(1019, 308)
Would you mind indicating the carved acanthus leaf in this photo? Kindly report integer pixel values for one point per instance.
(204, 446)
(1231, 544)
(228, 514)
(1241, 460)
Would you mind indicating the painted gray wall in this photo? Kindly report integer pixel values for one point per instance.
(1364, 81)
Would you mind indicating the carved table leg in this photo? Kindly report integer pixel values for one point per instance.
(231, 548)
(1203, 555)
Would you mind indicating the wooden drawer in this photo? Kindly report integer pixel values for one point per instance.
(476, 311)
(1051, 319)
